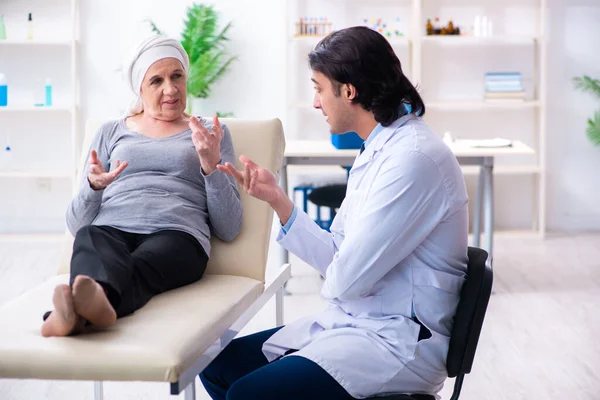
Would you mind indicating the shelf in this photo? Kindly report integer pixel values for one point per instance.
(25, 42)
(310, 39)
(34, 174)
(480, 40)
(468, 105)
(517, 169)
(35, 109)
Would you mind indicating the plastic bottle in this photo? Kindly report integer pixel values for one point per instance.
(30, 27)
(2, 28)
(484, 26)
(3, 91)
(48, 102)
(477, 26)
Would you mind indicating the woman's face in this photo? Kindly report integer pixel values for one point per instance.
(164, 90)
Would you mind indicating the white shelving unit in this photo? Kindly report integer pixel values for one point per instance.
(303, 123)
(54, 44)
(340, 14)
(535, 44)
(465, 40)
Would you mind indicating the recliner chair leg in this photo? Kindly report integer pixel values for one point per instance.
(98, 391)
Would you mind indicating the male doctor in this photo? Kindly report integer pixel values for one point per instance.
(395, 259)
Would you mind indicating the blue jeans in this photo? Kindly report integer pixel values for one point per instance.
(242, 371)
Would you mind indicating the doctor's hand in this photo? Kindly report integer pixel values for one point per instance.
(97, 177)
(261, 183)
(257, 181)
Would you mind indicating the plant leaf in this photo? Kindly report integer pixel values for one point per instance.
(154, 27)
(204, 43)
(593, 129)
(587, 85)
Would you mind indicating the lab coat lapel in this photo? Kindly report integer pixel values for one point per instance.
(367, 156)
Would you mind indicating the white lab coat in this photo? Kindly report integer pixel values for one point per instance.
(397, 248)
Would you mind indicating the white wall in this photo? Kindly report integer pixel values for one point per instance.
(251, 89)
(255, 87)
(573, 163)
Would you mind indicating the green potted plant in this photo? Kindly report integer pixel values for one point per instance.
(589, 85)
(204, 42)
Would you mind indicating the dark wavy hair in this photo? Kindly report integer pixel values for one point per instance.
(364, 58)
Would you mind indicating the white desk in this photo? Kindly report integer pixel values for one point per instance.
(322, 152)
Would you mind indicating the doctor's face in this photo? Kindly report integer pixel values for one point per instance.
(333, 103)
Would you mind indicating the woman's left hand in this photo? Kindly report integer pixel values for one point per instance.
(207, 143)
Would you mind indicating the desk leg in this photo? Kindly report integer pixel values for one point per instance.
(489, 203)
(284, 255)
(478, 208)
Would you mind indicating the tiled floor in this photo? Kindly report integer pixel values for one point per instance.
(541, 338)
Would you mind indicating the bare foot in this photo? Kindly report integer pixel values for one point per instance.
(63, 320)
(91, 302)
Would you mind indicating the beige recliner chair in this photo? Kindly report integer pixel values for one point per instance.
(177, 334)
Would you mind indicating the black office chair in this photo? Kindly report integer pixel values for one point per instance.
(468, 321)
(330, 196)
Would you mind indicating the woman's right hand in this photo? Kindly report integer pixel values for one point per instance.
(97, 177)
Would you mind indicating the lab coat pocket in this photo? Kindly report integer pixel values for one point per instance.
(402, 335)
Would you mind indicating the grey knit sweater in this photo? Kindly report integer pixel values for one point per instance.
(163, 187)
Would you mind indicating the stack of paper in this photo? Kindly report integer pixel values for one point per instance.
(487, 143)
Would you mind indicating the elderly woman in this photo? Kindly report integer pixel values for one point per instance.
(150, 200)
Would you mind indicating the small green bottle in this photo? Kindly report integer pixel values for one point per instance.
(2, 28)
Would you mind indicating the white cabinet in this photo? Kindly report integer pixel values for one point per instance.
(37, 179)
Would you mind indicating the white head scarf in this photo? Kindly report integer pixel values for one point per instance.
(144, 55)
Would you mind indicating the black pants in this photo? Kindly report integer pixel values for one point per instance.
(132, 267)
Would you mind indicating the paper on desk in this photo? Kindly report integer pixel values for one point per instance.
(487, 143)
